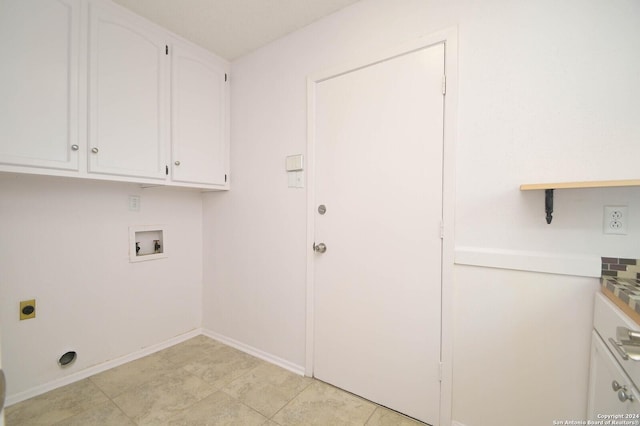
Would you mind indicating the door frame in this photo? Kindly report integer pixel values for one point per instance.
(448, 37)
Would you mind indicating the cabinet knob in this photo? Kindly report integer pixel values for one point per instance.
(94, 150)
(177, 163)
(74, 147)
(615, 386)
(623, 395)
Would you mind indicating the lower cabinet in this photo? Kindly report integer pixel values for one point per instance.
(610, 389)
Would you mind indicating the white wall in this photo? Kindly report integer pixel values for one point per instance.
(548, 91)
(66, 243)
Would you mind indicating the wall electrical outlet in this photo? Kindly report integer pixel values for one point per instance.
(615, 220)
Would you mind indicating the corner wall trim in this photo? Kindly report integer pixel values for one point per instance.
(580, 265)
(265, 356)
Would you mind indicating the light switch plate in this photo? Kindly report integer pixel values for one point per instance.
(295, 163)
(296, 179)
(134, 203)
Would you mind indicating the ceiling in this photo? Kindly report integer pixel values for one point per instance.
(232, 28)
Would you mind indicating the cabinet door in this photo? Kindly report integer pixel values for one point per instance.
(199, 117)
(606, 381)
(39, 83)
(128, 87)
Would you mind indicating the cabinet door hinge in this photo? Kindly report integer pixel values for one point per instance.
(440, 372)
(166, 170)
(166, 49)
(225, 178)
(444, 85)
(441, 230)
(225, 76)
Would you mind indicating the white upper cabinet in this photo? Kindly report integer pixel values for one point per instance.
(128, 94)
(39, 41)
(199, 107)
(88, 89)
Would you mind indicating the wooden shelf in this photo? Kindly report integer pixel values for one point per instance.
(578, 185)
(550, 187)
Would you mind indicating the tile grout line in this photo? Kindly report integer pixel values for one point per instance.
(371, 415)
(242, 403)
(215, 389)
(112, 401)
(174, 365)
(313, 380)
(251, 408)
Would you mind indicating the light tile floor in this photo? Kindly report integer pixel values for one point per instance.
(200, 382)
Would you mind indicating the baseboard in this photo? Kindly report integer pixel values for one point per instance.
(87, 372)
(455, 423)
(265, 356)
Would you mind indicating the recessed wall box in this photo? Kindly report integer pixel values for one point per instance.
(147, 242)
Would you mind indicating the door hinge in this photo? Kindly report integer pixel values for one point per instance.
(166, 49)
(440, 372)
(166, 170)
(444, 85)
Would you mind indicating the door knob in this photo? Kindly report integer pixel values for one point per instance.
(319, 248)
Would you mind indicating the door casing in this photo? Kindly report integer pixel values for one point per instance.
(449, 38)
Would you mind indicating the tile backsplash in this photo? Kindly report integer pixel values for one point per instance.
(621, 267)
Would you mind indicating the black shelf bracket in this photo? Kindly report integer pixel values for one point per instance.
(548, 204)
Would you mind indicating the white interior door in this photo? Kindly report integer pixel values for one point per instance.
(377, 288)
